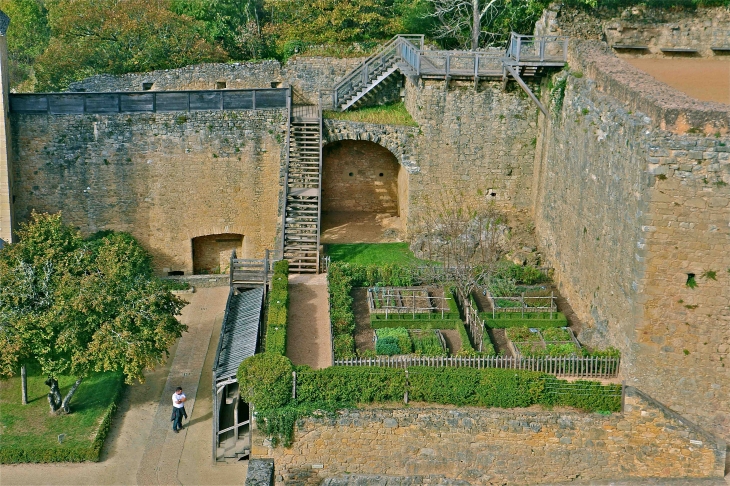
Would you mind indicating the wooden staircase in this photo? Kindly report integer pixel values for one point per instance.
(303, 190)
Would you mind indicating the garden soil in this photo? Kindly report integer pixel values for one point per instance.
(703, 79)
(186, 457)
(308, 333)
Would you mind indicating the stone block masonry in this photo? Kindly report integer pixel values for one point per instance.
(481, 143)
(165, 178)
(500, 446)
(627, 210)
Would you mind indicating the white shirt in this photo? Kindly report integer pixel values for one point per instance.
(175, 398)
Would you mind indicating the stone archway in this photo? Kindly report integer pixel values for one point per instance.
(364, 192)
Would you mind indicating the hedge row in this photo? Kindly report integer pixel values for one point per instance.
(61, 453)
(268, 383)
(276, 321)
(382, 323)
(539, 320)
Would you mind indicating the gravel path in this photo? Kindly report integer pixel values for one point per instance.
(308, 334)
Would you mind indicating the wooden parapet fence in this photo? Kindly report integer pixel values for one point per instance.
(148, 101)
(567, 366)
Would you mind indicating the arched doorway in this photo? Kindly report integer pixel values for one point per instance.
(364, 193)
(212, 253)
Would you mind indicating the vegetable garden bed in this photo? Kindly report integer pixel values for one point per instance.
(401, 341)
(547, 342)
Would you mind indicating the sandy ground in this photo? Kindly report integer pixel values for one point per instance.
(360, 227)
(141, 428)
(308, 334)
(704, 79)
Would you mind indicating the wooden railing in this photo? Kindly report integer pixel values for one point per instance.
(568, 366)
(530, 48)
(148, 101)
(360, 76)
(257, 271)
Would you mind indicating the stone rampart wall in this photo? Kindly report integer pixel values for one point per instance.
(624, 211)
(481, 142)
(306, 75)
(166, 178)
(500, 446)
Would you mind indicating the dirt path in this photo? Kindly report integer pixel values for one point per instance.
(138, 426)
(308, 334)
(703, 79)
(363, 330)
(360, 227)
(453, 340)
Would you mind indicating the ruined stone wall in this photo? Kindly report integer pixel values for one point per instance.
(700, 29)
(306, 75)
(359, 176)
(479, 142)
(624, 211)
(500, 446)
(165, 177)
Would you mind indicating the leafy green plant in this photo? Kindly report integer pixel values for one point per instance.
(710, 275)
(556, 334)
(393, 341)
(278, 310)
(539, 320)
(266, 380)
(427, 344)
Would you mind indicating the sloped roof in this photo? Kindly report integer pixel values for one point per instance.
(239, 332)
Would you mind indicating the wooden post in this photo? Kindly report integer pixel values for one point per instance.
(293, 385)
(405, 393)
(24, 385)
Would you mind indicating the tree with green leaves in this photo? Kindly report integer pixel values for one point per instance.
(108, 36)
(78, 306)
(27, 38)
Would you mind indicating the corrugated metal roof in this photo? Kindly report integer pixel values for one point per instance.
(239, 332)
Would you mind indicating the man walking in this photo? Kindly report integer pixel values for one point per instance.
(178, 409)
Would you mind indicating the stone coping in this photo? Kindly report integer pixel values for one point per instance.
(669, 108)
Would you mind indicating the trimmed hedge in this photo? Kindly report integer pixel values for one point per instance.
(539, 320)
(276, 320)
(350, 385)
(377, 323)
(265, 380)
(65, 453)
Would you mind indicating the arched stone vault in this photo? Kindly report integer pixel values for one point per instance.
(397, 139)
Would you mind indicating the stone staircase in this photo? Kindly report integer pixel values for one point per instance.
(303, 190)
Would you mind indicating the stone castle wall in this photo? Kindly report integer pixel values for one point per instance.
(624, 211)
(483, 446)
(165, 177)
(655, 28)
(481, 142)
(306, 75)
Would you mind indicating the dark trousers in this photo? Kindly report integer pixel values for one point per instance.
(177, 417)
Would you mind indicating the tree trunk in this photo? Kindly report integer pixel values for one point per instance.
(476, 27)
(67, 398)
(24, 385)
(54, 395)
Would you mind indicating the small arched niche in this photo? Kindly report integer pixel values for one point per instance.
(212, 253)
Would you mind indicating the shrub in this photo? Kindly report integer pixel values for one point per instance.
(276, 320)
(557, 334)
(350, 385)
(344, 346)
(266, 380)
(406, 321)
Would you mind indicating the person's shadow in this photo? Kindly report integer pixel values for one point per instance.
(202, 418)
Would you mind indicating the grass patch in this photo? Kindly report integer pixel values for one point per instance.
(391, 114)
(372, 253)
(30, 433)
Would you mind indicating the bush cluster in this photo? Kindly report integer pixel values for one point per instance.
(265, 380)
(276, 321)
(392, 341)
(350, 385)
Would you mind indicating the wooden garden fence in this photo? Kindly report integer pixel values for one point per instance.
(568, 366)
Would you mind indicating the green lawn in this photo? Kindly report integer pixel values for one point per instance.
(392, 114)
(30, 433)
(372, 253)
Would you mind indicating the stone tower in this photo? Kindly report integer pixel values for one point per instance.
(6, 173)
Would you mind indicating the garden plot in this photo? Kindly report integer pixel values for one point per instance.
(423, 301)
(401, 341)
(554, 342)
